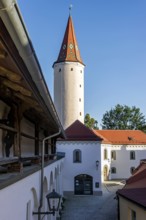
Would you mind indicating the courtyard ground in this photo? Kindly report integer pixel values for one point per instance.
(93, 207)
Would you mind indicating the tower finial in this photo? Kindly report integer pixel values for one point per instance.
(70, 8)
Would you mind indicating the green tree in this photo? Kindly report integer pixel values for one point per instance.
(123, 117)
(90, 122)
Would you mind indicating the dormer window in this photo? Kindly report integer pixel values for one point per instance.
(130, 138)
(71, 69)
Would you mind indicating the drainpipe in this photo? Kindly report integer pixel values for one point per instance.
(42, 170)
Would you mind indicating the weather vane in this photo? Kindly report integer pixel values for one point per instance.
(70, 8)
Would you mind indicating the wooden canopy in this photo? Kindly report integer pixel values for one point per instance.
(17, 86)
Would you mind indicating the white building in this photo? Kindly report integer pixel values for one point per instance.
(69, 79)
(121, 152)
(28, 117)
(82, 167)
(118, 153)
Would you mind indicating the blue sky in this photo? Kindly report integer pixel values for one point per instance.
(112, 40)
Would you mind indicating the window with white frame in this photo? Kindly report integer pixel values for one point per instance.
(113, 155)
(132, 155)
(77, 156)
(105, 154)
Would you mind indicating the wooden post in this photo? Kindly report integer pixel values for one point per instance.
(17, 145)
(36, 139)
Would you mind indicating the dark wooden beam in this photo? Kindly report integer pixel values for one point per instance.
(7, 128)
(36, 139)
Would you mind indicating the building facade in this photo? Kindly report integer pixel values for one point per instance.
(116, 153)
(131, 199)
(121, 152)
(82, 167)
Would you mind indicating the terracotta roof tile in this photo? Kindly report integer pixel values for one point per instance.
(69, 50)
(135, 195)
(135, 188)
(78, 131)
(139, 174)
(122, 136)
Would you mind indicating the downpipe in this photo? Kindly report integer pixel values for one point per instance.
(42, 170)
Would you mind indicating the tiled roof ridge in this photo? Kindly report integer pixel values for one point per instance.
(100, 135)
(127, 137)
(136, 195)
(78, 131)
(137, 175)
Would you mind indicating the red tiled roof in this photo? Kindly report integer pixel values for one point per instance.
(138, 174)
(135, 195)
(135, 188)
(122, 136)
(78, 131)
(69, 50)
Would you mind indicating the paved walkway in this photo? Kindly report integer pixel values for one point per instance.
(93, 207)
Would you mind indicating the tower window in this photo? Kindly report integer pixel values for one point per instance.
(80, 71)
(80, 86)
(79, 100)
(80, 113)
(60, 70)
(71, 69)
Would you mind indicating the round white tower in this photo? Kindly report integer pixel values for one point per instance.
(69, 80)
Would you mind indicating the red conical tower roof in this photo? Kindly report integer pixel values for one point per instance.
(69, 50)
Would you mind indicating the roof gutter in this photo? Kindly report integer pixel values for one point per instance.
(10, 14)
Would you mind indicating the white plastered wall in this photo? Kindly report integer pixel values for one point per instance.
(127, 206)
(123, 163)
(20, 199)
(69, 92)
(90, 151)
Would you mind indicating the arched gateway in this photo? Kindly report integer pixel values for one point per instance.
(83, 185)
